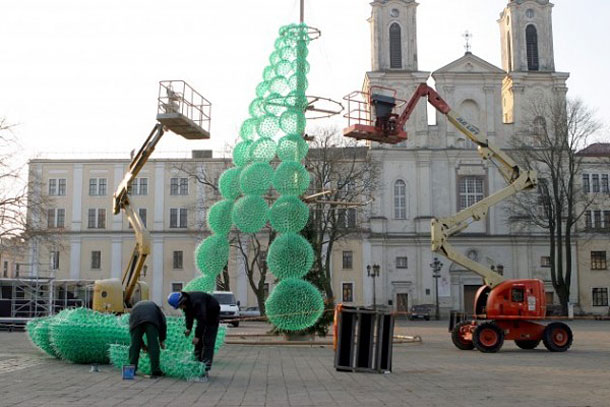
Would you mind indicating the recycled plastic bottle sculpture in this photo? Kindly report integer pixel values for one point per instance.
(275, 125)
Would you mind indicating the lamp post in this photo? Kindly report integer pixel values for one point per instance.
(436, 266)
(373, 272)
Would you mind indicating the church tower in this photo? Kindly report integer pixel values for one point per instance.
(394, 35)
(393, 26)
(526, 33)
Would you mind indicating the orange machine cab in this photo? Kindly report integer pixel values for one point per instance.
(512, 299)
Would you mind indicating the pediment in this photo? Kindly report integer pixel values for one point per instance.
(469, 63)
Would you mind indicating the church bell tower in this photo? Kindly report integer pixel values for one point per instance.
(394, 35)
(526, 33)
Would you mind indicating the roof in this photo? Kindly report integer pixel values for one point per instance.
(469, 63)
(596, 150)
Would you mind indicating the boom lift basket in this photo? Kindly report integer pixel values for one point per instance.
(183, 110)
(371, 115)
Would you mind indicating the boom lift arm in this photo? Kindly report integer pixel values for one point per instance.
(517, 179)
(121, 202)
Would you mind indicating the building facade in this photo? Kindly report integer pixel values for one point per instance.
(594, 240)
(172, 197)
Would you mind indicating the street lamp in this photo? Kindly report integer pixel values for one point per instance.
(374, 273)
(436, 266)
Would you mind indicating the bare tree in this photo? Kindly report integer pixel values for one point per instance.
(558, 130)
(23, 203)
(346, 172)
(253, 248)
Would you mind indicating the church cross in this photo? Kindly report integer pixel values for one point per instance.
(468, 37)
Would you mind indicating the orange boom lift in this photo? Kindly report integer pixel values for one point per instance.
(504, 309)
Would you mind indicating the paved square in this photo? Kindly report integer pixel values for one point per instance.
(433, 373)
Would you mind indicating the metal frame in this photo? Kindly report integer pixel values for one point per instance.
(178, 100)
(369, 340)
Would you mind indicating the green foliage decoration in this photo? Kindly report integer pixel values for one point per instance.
(38, 331)
(250, 213)
(212, 254)
(263, 150)
(290, 256)
(288, 214)
(248, 128)
(292, 148)
(292, 121)
(205, 283)
(294, 304)
(81, 335)
(241, 153)
(291, 178)
(256, 178)
(219, 217)
(228, 184)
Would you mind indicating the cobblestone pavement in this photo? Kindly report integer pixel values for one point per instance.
(432, 373)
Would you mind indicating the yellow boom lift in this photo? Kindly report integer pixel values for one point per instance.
(185, 112)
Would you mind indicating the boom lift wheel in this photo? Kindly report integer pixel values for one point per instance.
(488, 337)
(527, 343)
(557, 337)
(458, 336)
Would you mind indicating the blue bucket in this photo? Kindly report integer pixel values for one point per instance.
(129, 372)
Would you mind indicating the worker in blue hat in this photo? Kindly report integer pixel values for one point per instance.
(205, 309)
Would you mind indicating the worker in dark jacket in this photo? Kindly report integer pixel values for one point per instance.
(205, 309)
(147, 318)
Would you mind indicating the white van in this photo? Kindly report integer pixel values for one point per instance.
(229, 308)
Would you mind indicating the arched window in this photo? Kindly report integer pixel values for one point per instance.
(395, 47)
(539, 126)
(531, 39)
(509, 51)
(400, 200)
(470, 111)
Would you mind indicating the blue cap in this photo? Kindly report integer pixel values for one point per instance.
(174, 299)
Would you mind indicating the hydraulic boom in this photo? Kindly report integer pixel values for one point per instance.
(510, 306)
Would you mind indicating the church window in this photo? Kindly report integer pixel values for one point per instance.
(395, 47)
(470, 191)
(531, 39)
(470, 111)
(539, 126)
(400, 200)
(509, 51)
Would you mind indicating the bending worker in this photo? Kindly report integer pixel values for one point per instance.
(147, 318)
(205, 309)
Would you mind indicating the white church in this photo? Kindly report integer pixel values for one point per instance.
(437, 172)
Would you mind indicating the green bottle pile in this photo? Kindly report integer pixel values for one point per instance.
(81, 335)
(177, 359)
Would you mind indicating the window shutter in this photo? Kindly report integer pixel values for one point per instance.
(395, 47)
(531, 39)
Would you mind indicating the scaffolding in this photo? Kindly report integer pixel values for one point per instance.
(29, 296)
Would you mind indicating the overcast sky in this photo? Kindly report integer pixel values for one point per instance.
(81, 76)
